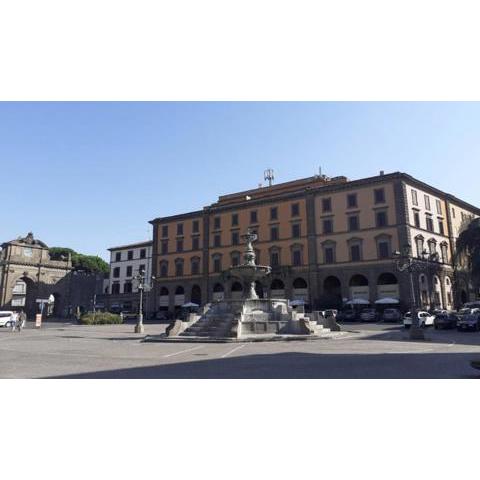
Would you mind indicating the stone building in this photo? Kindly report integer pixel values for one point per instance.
(27, 273)
(328, 240)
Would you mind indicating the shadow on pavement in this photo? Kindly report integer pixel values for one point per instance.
(305, 366)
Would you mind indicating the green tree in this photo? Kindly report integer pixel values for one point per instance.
(87, 263)
(468, 247)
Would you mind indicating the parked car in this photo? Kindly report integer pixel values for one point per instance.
(391, 315)
(368, 315)
(348, 315)
(424, 319)
(471, 321)
(445, 320)
(7, 318)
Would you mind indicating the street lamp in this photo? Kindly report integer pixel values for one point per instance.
(406, 263)
(141, 287)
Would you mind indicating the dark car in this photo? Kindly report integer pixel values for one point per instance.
(391, 315)
(368, 315)
(469, 322)
(445, 320)
(347, 315)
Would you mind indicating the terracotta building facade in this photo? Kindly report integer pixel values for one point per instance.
(328, 240)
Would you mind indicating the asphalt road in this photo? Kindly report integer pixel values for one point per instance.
(113, 351)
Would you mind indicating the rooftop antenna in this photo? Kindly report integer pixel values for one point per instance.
(268, 175)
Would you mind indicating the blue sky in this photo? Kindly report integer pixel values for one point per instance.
(91, 175)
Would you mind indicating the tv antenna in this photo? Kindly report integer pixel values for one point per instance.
(268, 175)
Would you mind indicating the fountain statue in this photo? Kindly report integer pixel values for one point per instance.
(249, 316)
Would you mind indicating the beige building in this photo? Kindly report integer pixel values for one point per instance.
(328, 240)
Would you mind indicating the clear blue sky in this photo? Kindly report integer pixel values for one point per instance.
(91, 175)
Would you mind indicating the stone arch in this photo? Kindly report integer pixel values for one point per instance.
(388, 286)
(179, 299)
(300, 289)
(236, 290)
(437, 292)
(359, 287)
(277, 288)
(24, 294)
(358, 280)
(196, 294)
(332, 292)
(218, 292)
(424, 291)
(163, 300)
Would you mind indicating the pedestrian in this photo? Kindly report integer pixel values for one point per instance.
(14, 321)
(22, 320)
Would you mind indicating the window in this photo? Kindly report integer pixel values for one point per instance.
(328, 226)
(116, 272)
(453, 212)
(414, 198)
(217, 264)
(355, 253)
(195, 226)
(179, 268)
(353, 223)
(432, 247)
(216, 223)
(441, 228)
(130, 255)
(439, 206)
(253, 217)
(195, 243)
(274, 259)
(295, 209)
(195, 266)
(179, 245)
(427, 202)
(274, 213)
(118, 256)
(143, 253)
(164, 230)
(383, 249)
(444, 252)
(297, 257)
(179, 228)
(234, 219)
(326, 204)
(351, 200)
(141, 269)
(379, 195)
(217, 240)
(164, 269)
(235, 259)
(273, 233)
(419, 243)
(296, 230)
(382, 220)
(129, 271)
(164, 247)
(416, 219)
(329, 255)
(235, 238)
(429, 223)
(115, 289)
(127, 287)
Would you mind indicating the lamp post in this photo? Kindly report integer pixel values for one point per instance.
(141, 288)
(405, 262)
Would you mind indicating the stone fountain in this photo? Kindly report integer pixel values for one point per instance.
(248, 318)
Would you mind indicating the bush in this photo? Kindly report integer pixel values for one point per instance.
(101, 318)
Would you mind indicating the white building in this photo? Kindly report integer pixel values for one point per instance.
(126, 262)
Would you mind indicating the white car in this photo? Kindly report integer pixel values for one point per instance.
(424, 319)
(7, 319)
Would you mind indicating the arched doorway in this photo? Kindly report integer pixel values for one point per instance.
(237, 290)
(55, 308)
(24, 295)
(448, 293)
(359, 288)
(300, 290)
(277, 289)
(218, 292)
(437, 293)
(387, 286)
(179, 296)
(332, 292)
(163, 300)
(196, 295)
(423, 288)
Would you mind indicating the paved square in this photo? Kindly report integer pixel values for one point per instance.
(114, 351)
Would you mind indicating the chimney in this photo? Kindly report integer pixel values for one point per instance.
(382, 172)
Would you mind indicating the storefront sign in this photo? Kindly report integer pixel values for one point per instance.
(388, 291)
(360, 292)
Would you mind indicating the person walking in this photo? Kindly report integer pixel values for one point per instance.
(22, 320)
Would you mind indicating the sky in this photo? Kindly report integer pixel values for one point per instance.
(90, 175)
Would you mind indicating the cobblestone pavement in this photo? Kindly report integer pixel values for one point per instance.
(114, 351)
